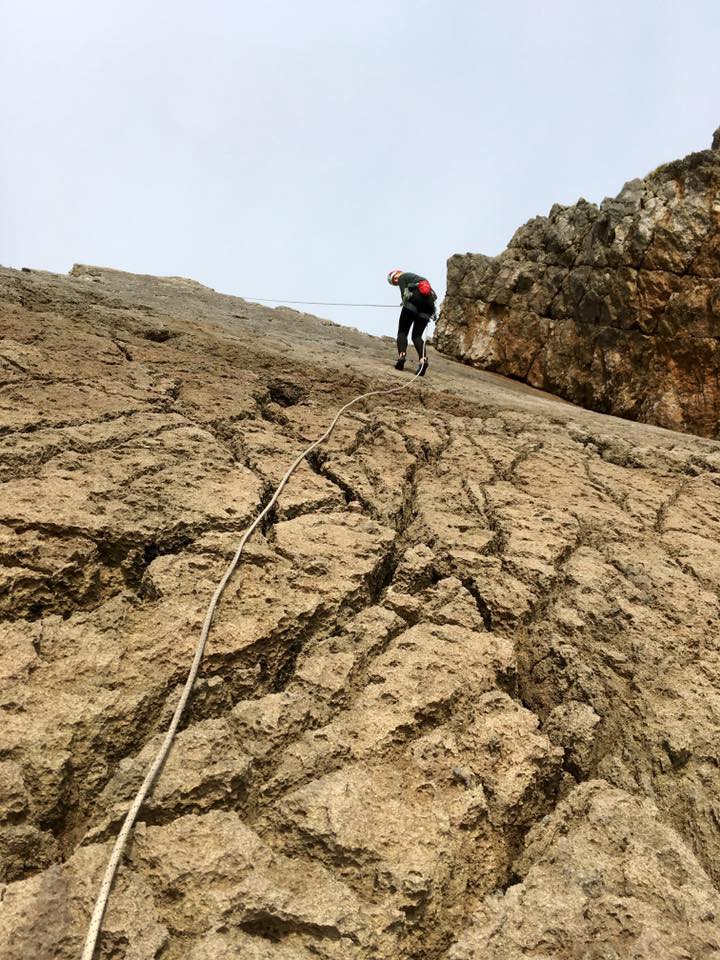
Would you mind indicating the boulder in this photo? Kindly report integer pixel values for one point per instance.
(614, 307)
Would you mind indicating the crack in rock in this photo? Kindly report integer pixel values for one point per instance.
(466, 672)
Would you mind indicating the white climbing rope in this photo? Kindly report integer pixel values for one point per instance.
(128, 823)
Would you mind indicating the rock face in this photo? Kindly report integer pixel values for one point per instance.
(461, 699)
(616, 307)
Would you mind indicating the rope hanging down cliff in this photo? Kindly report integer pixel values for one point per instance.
(155, 767)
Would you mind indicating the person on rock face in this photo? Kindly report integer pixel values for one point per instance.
(418, 309)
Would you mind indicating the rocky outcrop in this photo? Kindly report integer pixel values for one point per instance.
(601, 854)
(461, 698)
(614, 307)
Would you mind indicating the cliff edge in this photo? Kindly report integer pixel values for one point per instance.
(614, 307)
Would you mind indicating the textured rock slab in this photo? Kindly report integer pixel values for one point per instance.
(205, 769)
(601, 877)
(424, 673)
(398, 825)
(176, 478)
(46, 917)
(92, 702)
(470, 600)
(191, 876)
(235, 879)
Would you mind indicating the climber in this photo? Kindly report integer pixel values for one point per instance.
(418, 309)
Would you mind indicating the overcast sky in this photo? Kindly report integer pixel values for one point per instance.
(301, 150)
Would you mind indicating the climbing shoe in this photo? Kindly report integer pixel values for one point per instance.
(400, 364)
(422, 367)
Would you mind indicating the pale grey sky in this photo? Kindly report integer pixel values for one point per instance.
(303, 149)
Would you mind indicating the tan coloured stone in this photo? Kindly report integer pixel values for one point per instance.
(46, 916)
(472, 599)
(205, 769)
(601, 877)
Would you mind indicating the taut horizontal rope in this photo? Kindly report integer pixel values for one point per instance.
(320, 303)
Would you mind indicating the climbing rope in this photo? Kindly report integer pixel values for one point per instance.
(122, 838)
(319, 303)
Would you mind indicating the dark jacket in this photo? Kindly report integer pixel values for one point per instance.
(412, 299)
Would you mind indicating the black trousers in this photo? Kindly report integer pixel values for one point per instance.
(409, 319)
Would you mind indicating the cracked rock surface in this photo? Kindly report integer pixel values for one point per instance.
(461, 698)
(615, 307)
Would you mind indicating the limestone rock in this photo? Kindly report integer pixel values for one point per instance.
(205, 769)
(46, 916)
(238, 880)
(231, 944)
(601, 877)
(614, 307)
(469, 605)
(572, 725)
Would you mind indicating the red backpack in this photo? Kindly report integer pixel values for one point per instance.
(423, 296)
